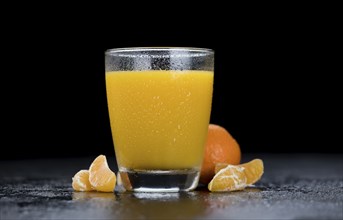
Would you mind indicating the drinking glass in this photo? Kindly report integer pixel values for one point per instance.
(159, 102)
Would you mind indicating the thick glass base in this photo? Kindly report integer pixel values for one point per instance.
(159, 180)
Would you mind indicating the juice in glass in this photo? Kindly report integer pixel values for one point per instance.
(159, 119)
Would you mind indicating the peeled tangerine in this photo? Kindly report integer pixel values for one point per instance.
(81, 181)
(99, 177)
(236, 177)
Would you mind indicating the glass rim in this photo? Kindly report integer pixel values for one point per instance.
(147, 49)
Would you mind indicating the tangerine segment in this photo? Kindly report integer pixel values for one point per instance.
(253, 170)
(101, 177)
(231, 178)
(81, 181)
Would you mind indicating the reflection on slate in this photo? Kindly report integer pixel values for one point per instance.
(294, 186)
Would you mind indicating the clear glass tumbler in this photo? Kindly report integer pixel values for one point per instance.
(159, 103)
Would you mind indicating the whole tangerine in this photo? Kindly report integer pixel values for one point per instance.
(220, 147)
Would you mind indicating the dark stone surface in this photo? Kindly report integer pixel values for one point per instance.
(293, 187)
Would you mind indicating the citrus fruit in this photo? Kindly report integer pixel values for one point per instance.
(253, 170)
(231, 178)
(220, 147)
(81, 181)
(101, 177)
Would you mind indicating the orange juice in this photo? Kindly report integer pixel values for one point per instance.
(159, 118)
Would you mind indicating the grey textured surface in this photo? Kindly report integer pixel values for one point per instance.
(301, 186)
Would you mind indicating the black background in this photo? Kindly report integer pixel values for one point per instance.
(273, 88)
